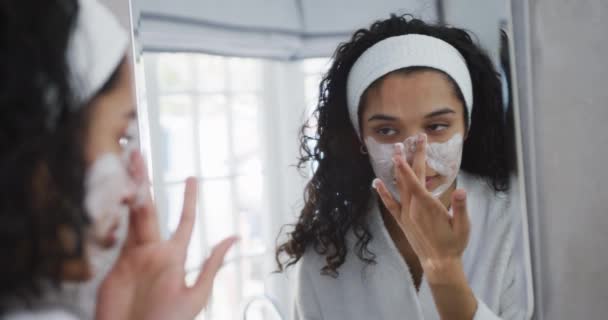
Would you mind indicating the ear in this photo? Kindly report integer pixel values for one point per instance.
(363, 149)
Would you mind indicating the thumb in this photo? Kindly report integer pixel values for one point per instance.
(460, 219)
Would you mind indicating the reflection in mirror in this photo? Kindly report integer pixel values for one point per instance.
(212, 117)
(223, 94)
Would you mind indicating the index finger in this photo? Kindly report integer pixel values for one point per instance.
(142, 218)
(186, 224)
(419, 163)
(403, 189)
(405, 175)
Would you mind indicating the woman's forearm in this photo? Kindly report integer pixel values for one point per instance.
(451, 292)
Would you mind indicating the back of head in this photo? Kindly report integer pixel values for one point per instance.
(42, 218)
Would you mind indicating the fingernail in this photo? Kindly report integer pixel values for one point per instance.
(135, 156)
(375, 183)
(460, 196)
(422, 137)
(399, 147)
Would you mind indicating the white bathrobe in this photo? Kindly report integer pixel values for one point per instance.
(385, 291)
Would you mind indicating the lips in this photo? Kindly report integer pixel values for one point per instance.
(109, 238)
(429, 181)
(109, 241)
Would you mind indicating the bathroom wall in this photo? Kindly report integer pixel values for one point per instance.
(563, 77)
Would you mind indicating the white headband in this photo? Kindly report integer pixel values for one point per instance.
(97, 46)
(411, 50)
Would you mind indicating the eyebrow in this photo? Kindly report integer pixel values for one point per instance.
(382, 117)
(440, 113)
(385, 117)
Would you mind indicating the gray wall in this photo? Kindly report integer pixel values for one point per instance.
(564, 119)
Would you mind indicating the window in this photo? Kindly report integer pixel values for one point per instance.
(314, 70)
(221, 119)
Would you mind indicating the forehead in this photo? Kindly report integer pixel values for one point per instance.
(119, 99)
(411, 92)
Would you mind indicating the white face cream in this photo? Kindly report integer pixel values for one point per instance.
(443, 157)
(108, 184)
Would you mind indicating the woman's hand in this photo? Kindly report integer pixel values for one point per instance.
(437, 239)
(148, 279)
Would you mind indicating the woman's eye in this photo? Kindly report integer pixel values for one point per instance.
(437, 127)
(386, 131)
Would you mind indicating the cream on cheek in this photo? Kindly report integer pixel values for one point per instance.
(109, 184)
(444, 158)
(104, 128)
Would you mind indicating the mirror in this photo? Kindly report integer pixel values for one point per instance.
(223, 89)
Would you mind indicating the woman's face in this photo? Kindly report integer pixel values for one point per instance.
(402, 105)
(110, 116)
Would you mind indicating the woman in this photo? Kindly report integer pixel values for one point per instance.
(419, 107)
(66, 172)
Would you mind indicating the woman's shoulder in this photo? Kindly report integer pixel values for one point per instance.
(311, 263)
(310, 268)
(493, 215)
(485, 202)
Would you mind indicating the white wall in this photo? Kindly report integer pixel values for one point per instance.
(120, 9)
(566, 143)
(481, 17)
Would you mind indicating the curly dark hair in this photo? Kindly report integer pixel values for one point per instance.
(42, 166)
(337, 197)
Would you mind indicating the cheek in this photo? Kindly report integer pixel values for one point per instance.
(365, 131)
(101, 140)
(106, 125)
(100, 144)
(460, 125)
(456, 127)
(448, 133)
(460, 128)
(365, 127)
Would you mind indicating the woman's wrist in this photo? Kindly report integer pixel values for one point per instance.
(453, 296)
(444, 271)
